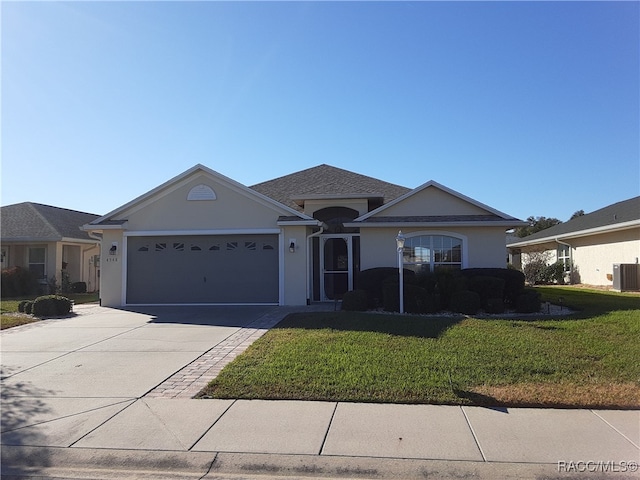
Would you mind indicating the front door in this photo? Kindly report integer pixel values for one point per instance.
(339, 258)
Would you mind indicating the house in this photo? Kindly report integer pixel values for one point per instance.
(49, 242)
(203, 238)
(588, 246)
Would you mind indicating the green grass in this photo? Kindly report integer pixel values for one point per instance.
(9, 316)
(588, 359)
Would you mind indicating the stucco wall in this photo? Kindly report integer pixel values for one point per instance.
(483, 247)
(433, 201)
(295, 266)
(593, 256)
(172, 211)
(111, 269)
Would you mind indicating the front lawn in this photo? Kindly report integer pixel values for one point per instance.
(589, 359)
(10, 317)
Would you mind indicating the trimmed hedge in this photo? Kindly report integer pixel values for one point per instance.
(51, 306)
(528, 302)
(513, 280)
(373, 280)
(25, 306)
(416, 299)
(486, 287)
(466, 302)
(355, 301)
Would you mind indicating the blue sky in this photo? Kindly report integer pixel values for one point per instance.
(532, 108)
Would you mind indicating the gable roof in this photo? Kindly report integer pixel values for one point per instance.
(325, 181)
(492, 216)
(111, 219)
(29, 222)
(618, 216)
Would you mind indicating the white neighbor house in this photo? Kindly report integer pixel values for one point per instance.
(590, 245)
(203, 238)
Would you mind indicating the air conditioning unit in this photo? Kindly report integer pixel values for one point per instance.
(626, 277)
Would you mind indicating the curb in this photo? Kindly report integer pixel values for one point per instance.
(78, 463)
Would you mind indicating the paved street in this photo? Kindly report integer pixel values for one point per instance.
(107, 393)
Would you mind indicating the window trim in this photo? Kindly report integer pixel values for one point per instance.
(43, 263)
(464, 250)
(564, 255)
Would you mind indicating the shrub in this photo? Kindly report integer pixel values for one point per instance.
(22, 306)
(447, 283)
(17, 281)
(513, 280)
(51, 306)
(355, 301)
(554, 273)
(28, 307)
(416, 299)
(494, 305)
(428, 281)
(79, 287)
(486, 287)
(465, 301)
(373, 280)
(528, 302)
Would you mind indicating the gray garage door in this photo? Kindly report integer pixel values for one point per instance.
(202, 269)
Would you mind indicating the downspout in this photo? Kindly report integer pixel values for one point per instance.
(560, 242)
(308, 269)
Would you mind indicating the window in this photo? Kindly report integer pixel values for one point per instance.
(564, 256)
(428, 253)
(37, 261)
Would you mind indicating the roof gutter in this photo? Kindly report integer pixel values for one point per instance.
(580, 233)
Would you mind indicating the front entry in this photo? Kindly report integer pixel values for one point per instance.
(339, 261)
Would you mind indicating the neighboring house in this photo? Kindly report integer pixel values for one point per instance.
(49, 242)
(590, 245)
(203, 238)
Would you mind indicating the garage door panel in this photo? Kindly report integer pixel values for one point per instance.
(203, 269)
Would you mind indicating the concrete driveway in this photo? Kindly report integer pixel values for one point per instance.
(100, 361)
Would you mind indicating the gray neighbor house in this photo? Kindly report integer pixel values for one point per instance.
(48, 241)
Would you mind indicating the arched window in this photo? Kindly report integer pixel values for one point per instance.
(428, 253)
(336, 217)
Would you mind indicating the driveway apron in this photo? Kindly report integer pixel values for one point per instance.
(62, 378)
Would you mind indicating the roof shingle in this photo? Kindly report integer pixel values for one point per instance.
(620, 212)
(36, 222)
(326, 180)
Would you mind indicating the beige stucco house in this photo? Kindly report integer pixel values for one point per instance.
(591, 247)
(203, 238)
(48, 241)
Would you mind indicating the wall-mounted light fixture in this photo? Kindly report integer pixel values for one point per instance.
(114, 248)
(292, 245)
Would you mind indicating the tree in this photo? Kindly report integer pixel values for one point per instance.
(535, 225)
(579, 213)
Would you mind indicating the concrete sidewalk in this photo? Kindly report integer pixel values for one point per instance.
(78, 403)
